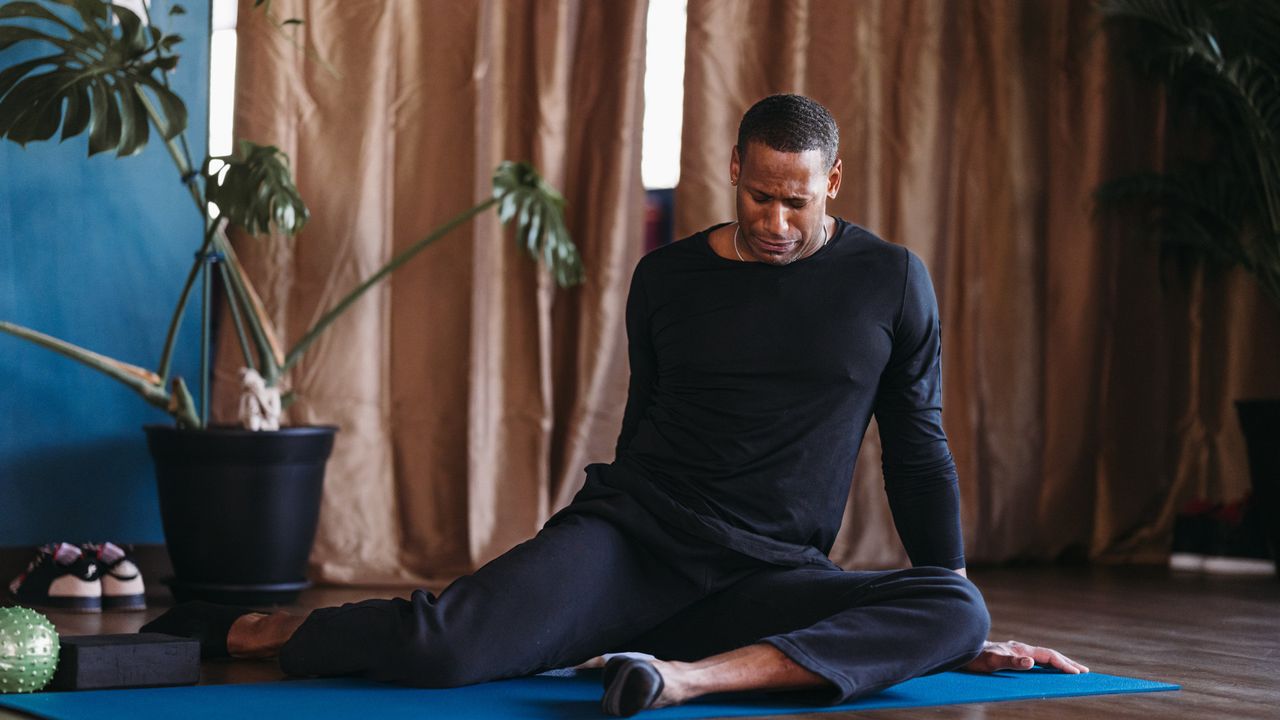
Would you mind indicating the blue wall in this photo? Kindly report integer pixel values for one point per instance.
(93, 251)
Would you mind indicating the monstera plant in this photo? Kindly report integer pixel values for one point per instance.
(90, 67)
(1218, 196)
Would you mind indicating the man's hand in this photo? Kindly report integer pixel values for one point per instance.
(1013, 655)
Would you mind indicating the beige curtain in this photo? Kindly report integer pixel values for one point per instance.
(1083, 401)
(469, 391)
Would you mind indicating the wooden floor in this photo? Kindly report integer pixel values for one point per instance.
(1218, 637)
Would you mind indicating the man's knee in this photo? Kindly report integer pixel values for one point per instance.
(966, 617)
(950, 603)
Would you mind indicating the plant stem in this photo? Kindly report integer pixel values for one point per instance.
(259, 326)
(204, 340)
(184, 166)
(143, 381)
(235, 316)
(164, 80)
(324, 322)
(166, 356)
(182, 407)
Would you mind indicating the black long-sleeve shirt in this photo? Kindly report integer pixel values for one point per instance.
(752, 386)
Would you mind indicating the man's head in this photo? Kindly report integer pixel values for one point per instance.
(791, 124)
(785, 169)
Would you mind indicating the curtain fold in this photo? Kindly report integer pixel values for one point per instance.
(470, 392)
(1084, 398)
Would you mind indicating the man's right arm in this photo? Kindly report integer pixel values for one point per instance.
(644, 371)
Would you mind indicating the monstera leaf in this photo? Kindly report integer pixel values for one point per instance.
(538, 209)
(253, 189)
(105, 79)
(518, 192)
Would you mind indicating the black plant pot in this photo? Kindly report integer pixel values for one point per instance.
(1260, 421)
(239, 509)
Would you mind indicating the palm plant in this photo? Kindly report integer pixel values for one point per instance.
(107, 77)
(1219, 63)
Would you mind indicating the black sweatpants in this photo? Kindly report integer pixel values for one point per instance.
(591, 583)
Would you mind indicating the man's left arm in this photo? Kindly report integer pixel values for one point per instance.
(920, 474)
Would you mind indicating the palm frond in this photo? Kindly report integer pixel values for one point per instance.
(1190, 214)
(1219, 63)
(1177, 33)
(1266, 246)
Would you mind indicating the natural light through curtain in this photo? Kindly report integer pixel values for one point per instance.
(663, 94)
(663, 88)
(222, 76)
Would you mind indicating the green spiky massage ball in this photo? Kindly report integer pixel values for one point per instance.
(28, 650)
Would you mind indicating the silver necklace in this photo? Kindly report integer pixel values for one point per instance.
(739, 253)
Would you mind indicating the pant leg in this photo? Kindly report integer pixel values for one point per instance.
(861, 631)
(576, 589)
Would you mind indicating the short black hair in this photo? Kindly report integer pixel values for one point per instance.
(791, 123)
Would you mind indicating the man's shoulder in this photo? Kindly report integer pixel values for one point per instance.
(693, 248)
(868, 250)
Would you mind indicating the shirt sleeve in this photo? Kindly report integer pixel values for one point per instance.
(919, 473)
(644, 371)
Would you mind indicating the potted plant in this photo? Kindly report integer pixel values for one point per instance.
(1219, 198)
(239, 505)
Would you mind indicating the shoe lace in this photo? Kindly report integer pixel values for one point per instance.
(44, 551)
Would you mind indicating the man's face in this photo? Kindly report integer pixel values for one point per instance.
(782, 202)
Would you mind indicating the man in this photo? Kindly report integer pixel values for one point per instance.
(759, 351)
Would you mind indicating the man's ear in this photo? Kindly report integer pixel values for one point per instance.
(735, 166)
(833, 180)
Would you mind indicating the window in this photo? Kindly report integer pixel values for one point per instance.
(663, 87)
(222, 77)
(663, 94)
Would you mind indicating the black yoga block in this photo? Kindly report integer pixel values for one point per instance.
(98, 662)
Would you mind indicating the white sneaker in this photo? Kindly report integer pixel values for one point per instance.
(122, 586)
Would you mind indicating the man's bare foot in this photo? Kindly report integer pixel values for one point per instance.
(633, 685)
(676, 686)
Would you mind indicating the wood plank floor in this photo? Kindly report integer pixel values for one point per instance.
(1218, 637)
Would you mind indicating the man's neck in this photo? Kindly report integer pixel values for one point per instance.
(721, 240)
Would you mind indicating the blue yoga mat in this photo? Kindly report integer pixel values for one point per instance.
(575, 696)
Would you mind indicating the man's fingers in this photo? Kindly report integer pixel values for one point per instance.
(1013, 655)
(1017, 662)
(998, 658)
(1047, 657)
(1055, 659)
